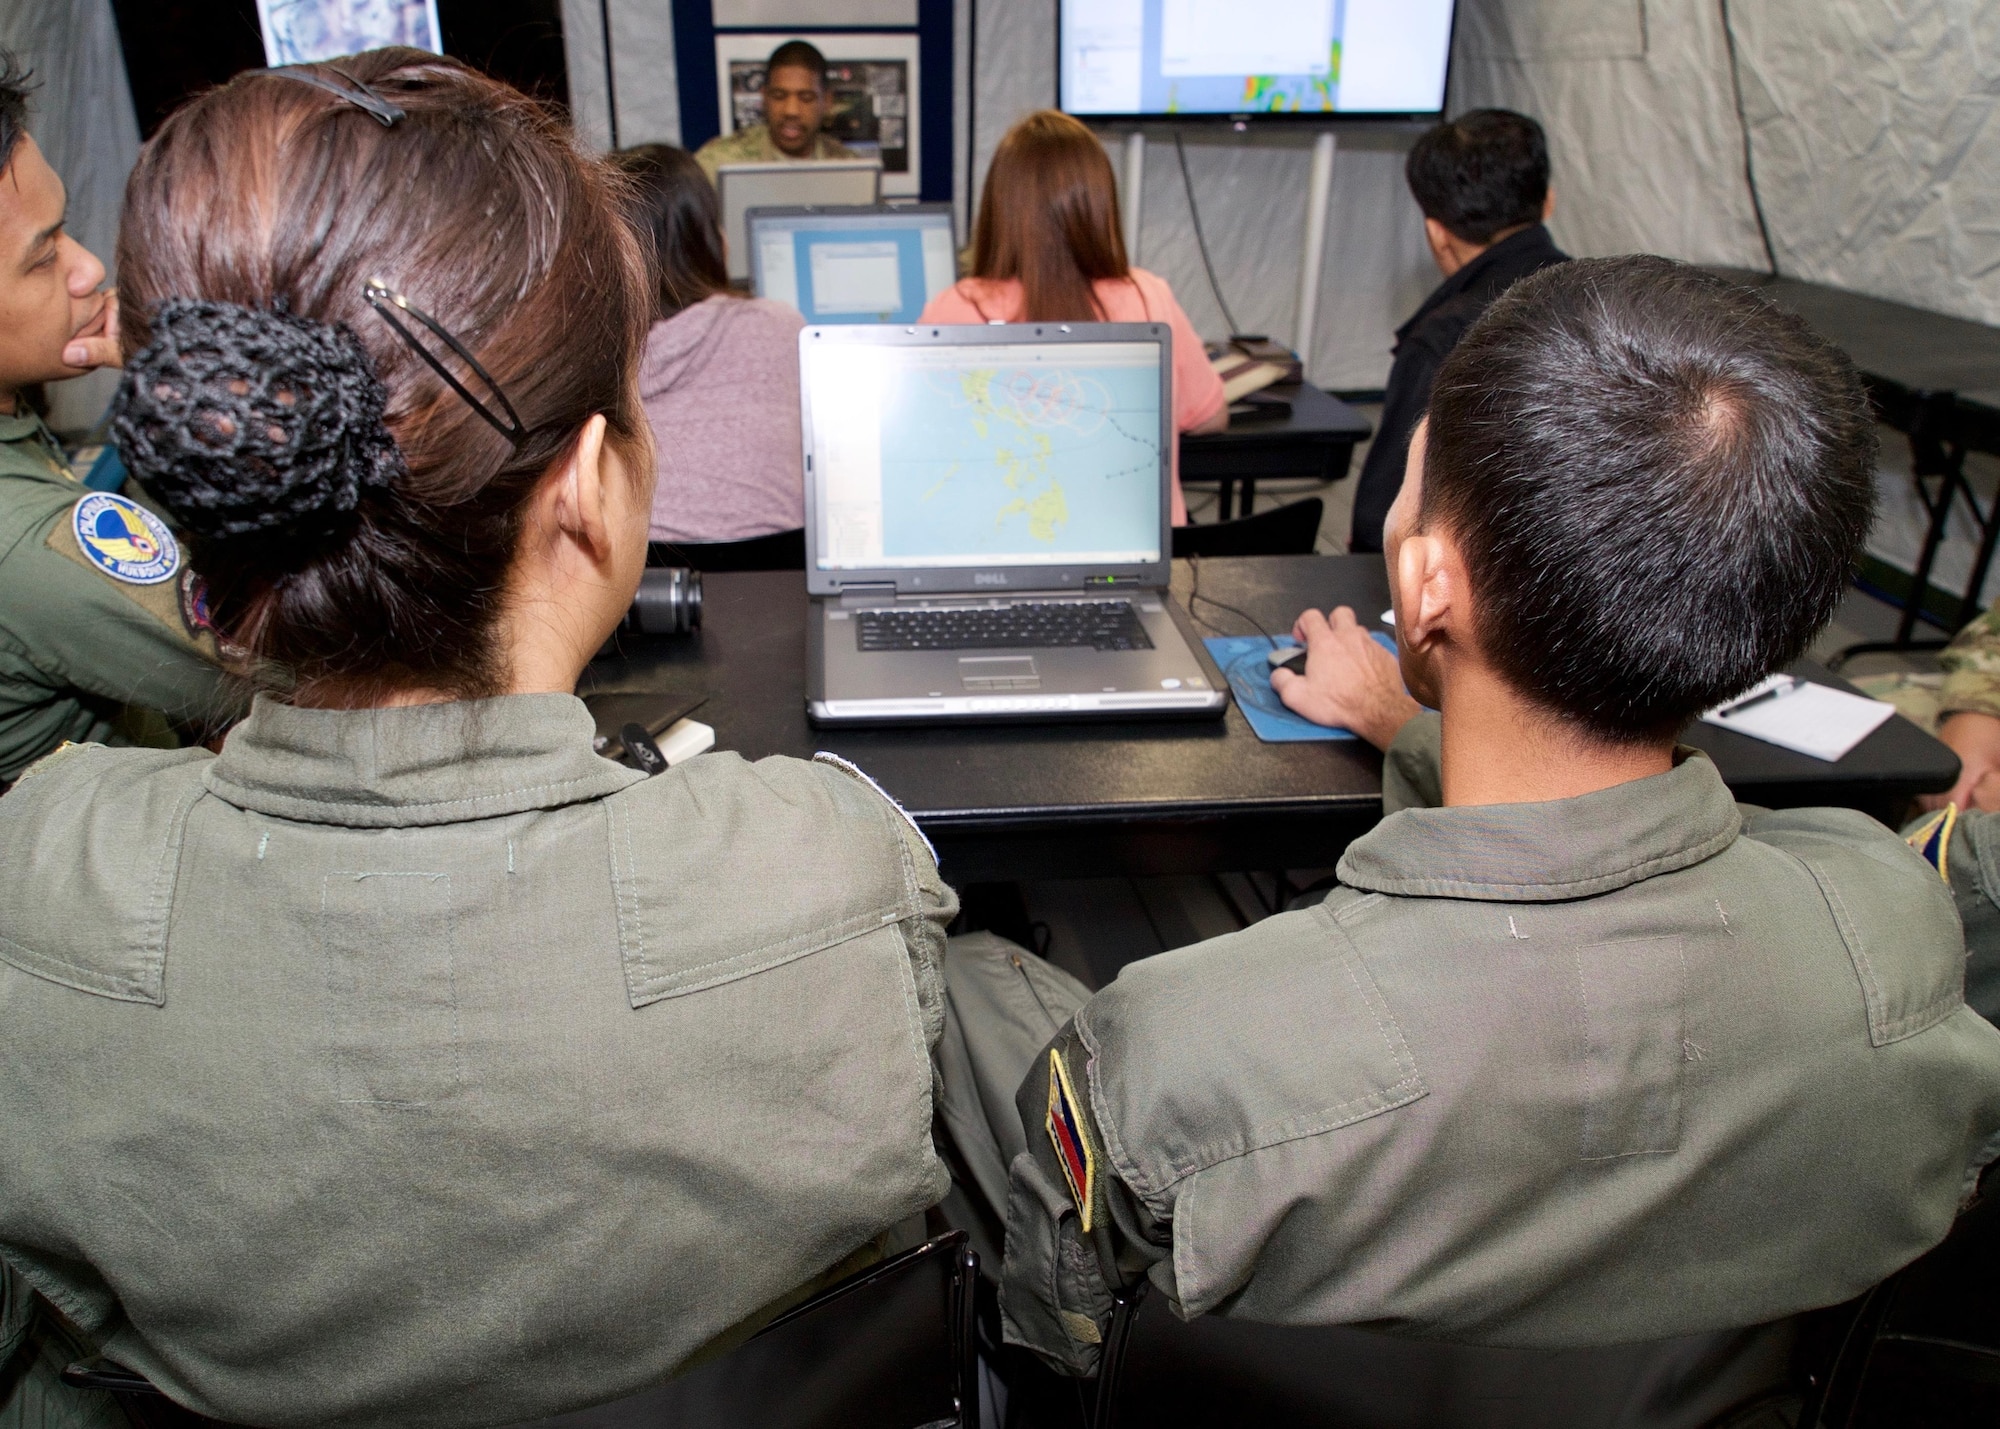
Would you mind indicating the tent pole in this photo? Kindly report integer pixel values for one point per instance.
(1135, 190)
(1319, 195)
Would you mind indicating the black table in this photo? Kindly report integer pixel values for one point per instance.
(1316, 440)
(1920, 350)
(1089, 800)
(1935, 379)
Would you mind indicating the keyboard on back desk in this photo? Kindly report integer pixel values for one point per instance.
(1041, 625)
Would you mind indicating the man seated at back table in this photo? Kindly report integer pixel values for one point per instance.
(1580, 1053)
(796, 102)
(1482, 180)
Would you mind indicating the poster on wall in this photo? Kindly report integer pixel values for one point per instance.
(301, 31)
(873, 81)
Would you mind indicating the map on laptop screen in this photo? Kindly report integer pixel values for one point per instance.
(984, 455)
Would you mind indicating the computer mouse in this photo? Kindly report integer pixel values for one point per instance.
(1288, 657)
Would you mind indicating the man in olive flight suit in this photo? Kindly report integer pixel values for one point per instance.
(101, 625)
(1580, 1052)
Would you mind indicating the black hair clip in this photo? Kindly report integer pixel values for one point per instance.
(388, 303)
(360, 95)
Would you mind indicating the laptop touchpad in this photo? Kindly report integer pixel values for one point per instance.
(999, 672)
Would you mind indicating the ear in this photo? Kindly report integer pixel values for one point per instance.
(1549, 204)
(1427, 589)
(1438, 237)
(573, 495)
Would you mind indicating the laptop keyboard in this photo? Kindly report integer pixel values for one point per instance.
(1097, 624)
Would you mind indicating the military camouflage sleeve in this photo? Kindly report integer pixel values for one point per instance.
(1971, 665)
(1075, 1232)
(1965, 849)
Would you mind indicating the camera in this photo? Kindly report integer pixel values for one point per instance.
(668, 602)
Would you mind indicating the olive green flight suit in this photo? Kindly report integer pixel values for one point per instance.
(1632, 1066)
(88, 653)
(421, 1067)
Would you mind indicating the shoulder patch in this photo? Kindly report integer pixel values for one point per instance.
(1932, 839)
(125, 540)
(854, 771)
(1071, 1141)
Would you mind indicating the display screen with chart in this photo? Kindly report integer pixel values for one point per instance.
(987, 455)
(1132, 58)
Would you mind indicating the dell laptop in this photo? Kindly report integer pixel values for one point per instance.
(987, 525)
(853, 264)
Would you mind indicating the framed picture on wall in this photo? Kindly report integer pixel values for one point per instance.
(301, 31)
(875, 97)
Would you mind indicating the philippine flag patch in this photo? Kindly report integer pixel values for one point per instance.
(1072, 1146)
(1932, 839)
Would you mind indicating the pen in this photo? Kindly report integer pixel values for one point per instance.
(1784, 688)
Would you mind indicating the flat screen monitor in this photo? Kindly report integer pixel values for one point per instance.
(783, 185)
(853, 265)
(1314, 59)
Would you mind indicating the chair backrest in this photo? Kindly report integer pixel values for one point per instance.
(1160, 1372)
(1282, 531)
(1925, 1345)
(779, 551)
(889, 1347)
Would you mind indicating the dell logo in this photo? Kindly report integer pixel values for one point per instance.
(989, 578)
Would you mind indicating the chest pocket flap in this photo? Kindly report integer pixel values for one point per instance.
(723, 869)
(92, 841)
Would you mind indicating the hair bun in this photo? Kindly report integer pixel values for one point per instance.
(249, 420)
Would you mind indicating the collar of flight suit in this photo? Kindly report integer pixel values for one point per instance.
(28, 448)
(1542, 853)
(415, 765)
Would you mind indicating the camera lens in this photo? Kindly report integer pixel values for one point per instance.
(668, 602)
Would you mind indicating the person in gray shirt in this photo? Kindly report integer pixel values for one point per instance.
(408, 1063)
(1580, 1052)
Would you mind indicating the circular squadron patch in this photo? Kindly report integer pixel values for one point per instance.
(125, 540)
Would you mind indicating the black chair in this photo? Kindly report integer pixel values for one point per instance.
(1282, 531)
(1162, 1373)
(889, 1347)
(779, 551)
(1924, 1348)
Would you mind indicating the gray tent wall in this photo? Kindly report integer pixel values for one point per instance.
(1872, 124)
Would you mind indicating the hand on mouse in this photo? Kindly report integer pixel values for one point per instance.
(1349, 681)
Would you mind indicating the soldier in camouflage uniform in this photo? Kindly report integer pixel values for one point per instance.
(1970, 704)
(795, 107)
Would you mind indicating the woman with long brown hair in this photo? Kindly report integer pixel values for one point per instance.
(1047, 247)
(407, 1062)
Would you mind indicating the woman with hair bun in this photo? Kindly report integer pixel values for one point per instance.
(407, 1062)
(1047, 247)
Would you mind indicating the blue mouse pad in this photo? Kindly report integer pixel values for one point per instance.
(1245, 661)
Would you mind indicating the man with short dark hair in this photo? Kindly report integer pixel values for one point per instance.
(1482, 181)
(796, 102)
(1580, 1052)
(101, 631)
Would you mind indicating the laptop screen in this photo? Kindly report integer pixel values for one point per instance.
(974, 453)
(872, 265)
